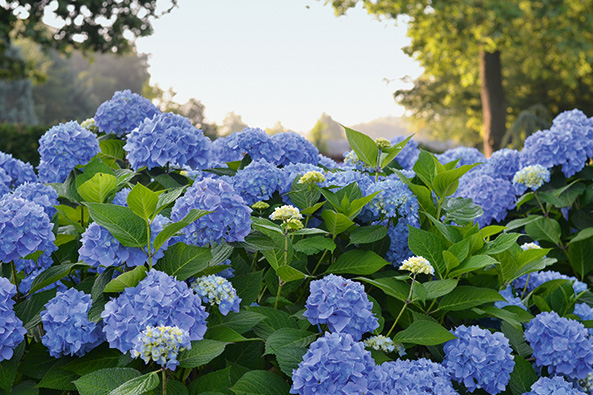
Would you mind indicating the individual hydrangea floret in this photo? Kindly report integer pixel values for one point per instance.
(218, 291)
(385, 344)
(161, 344)
(342, 304)
(408, 156)
(585, 313)
(257, 181)
(312, 177)
(229, 218)
(43, 195)
(11, 327)
(295, 149)
(24, 229)
(394, 200)
(553, 386)
(405, 377)
(382, 143)
(123, 112)
(417, 264)
(285, 213)
(18, 172)
(503, 164)
(560, 344)
(167, 138)
(531, 177)
(534, 280)
(479, 359)
(68, 330)
(510, 299)
(334, 364)
(157, 300)
(62, 148)
(466, 156)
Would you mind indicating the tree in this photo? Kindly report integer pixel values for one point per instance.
(489, 60)
(95, 25)
(231, 123)
(277, 128)
(16, 99)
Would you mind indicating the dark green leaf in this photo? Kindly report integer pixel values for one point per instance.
(184, 261)
(201, 352)
(314, 245)
(121, 222)
(261, 382)
(424, 332)
(138, 385)
(358, 262)
(364, 147)
(126, 280)
(465, 297)
(53, 274)
(368, 234)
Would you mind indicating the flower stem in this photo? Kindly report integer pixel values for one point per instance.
(164, 382)
(14, 278)
(406, 303)
(280, 284)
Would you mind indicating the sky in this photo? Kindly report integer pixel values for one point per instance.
(279, 60)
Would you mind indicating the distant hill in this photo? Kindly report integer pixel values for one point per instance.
(388, 127)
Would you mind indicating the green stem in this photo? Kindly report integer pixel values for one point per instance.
(164, 382)
(319, 262)
(254, 261)
(148, 244)
(439, 207)
(14, 278)
(280, 284)
(81, 215)
(378, 168)
(406, 303)
(525, 288)
(540, 204)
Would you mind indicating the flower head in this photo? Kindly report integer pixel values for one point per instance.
(466, 156)
(254, 142)
(16, 172)
(341, 304)
(382, 143)
(285, 213)
(257, 181)
(553, 386)
(11, 327)
(62, 148)
(385, 344)
(417, 264)
(530, 246)
(408, 156)
(585, 313)
(312, 177)
(503, 164)
(531, 177)
(68, 330)
(218, 291)
(534, 280)
(510, 299)
(43, 195)
(561, 344)
(404, 377)
(295, 149)
(123, 113)
(259, 205)
(394, 200)
(479, 359)
(161, 344)
(89, 124)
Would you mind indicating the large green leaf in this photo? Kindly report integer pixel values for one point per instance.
(113, 149)
(368, 234)
(546, 229)
(172, 228)
(522, 377)
(121, 222)
(445, 183)
(465, 297)
(394, 151)
(261, 382)
(429, 246)
(364, 147)
(53, 274)
(336, 222)
(391, 286)
(425, 333)
(184, 261)
(28, 311)
(426, 168)
(438, 288)
(289, 273)
(138, 385)
(581, 254)
(473, 263)
(461, 211)
(98, 187)
(201, 352)
(103, 381)
(126, 280)
(358, 262)
(142, 201)
(314, 245)
(289, 345)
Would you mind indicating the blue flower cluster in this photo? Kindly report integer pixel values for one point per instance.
(230, 218)
(531, 177)
(167, 138)
(121, 198)
(62, 148)
(404, 377)
(43, 195)
(479, 359)
(252, 141)
(18, 171)
(24, 228)
(503, 164)
(495, 196)
(467, 156)
(347, 177)
(335, 364)
(577, 123)
(352, 161)
(68, 330)
(408, 156)
(123, 113)
(227, 273)
(395, 200)
(561, 344)
(342, 304)
(327, 162)
(257, 181)
(510, 299)
(585, 313)
(161, 344)
(291, 172)
(11, 328)
(295, 149)
(4, 182)
(398, 248)
(553, 386)
(158, 300)
(216, 290)
(538, 278)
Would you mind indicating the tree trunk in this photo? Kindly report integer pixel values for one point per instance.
(493, 102)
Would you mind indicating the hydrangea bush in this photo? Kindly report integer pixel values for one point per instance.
(153, 260)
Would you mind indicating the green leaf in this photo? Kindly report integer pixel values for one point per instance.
(524, 199)
(240, 322)
(335, 222)
(391, 286)
(98, 187)
(289, 345)
(121, 222)
(265, 226)
(544, 228)
(465, 297)
(394, 151)
(142, 201)
(126, 280)
(248, 287)
(101, 357)
(438, 288)
(308, 231)
(473, 263)
(584, 234)
(580, 254)
(502, 243)
(275, 319)
(28, 311)
(429, 246)
(167, 197)
(446, 183)
(522, 377)
(172, 228)
(461, 211)
(113, 149)
(425, 333)
(364, 147)
(138, 385)
(57, 378)
(261, 382)
(289, 273)
(225, 334)
(53, 274)
(368, 234)
(201, 352)
(314, 245)
(520, 222)
(183, 261)
(358, 262)
(8, 368)
(213, 381)
(313, 208)
(426, 167)
(357, 205)
(516, 339)
(450, 233)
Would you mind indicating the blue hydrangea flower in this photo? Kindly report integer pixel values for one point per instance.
(561, 344)
(4, 182)
(531, 177)
(158, 300)
(216, 290)
(347, 177)
(585, 313)
(538, 278)
(295, 149)
(224, 149)
(553, 386)
(230, 218)
(12, 332)
(467, 156)
(43, 195)
(395, 200)
(24, 228)
(227, 273)
(290, 172)
(334, 364)
(405, 377)
(252, 141)
(257, 181)
(398, 248)
(342, 304)
(408, 156)
(479, 359)
(577, 123)
(495, 196)
(167, 138)
(327, 162)
(503, 164)
(68, 330)
(29, 265)
(123, 113)
(510, 299)
(62, 148)
(25, 284)
(121, 197)
(558, 147)
(18, 171)
(161, 344)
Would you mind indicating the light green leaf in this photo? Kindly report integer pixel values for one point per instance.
(473, 263)
(438, 288)
(103, 381)
(335, 222)
(544, 228)
(142, 201)
(138, 385)
(98, 187)
(126, 280)
(289, 273)
(364, 147)
(172, 228)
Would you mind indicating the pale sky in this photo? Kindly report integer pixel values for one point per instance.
(279, 60)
